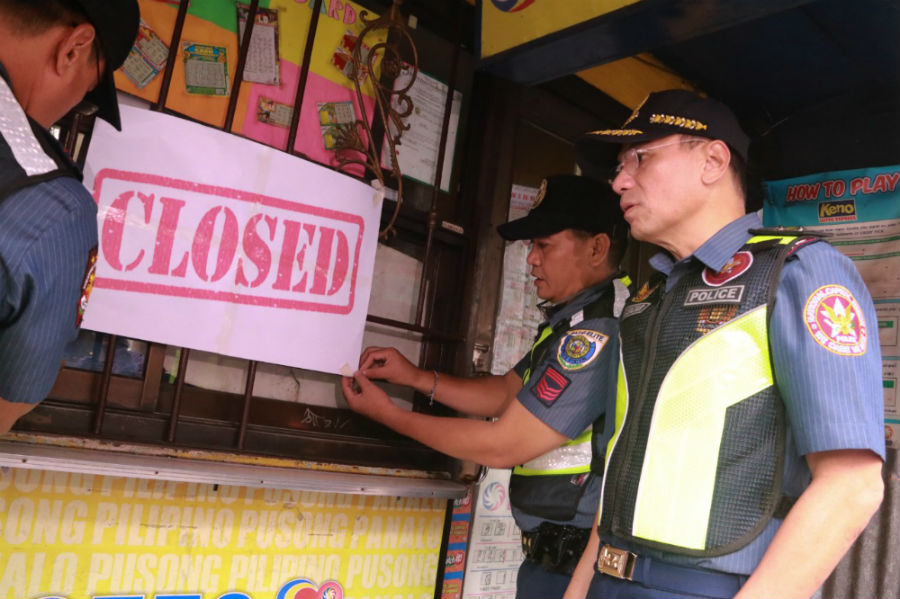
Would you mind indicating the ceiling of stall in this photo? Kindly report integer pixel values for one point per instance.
(768, 59)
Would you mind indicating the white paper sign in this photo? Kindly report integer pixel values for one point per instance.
(218, 243)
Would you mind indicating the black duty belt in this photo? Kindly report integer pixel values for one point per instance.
(658, 574)
(556, 547)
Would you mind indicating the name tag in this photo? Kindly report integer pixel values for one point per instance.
(732, 294)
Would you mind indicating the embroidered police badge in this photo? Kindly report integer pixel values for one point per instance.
(835, 320)
(87, 285)
(579, 348)
(735, 267)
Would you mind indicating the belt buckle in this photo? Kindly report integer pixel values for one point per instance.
(616, 562)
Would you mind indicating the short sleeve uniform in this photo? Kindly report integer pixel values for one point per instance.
(568, 392)
(829, 380)
(47, 233)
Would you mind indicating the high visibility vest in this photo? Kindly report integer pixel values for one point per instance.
(551, 485)
(28, 153)
(695, 464)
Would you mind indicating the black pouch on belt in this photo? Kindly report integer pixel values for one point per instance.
(550, 496)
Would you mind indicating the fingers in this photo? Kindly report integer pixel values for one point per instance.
(371, 355)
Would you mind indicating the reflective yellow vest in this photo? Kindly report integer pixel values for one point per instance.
(551, 485)
(695, 464)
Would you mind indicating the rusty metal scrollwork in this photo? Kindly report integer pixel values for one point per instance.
(391, 105)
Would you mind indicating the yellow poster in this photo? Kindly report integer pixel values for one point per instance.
(79, 536)
(506, 24)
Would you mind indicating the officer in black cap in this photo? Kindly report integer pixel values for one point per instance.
(750, 450)
(53, 54)
(548, 404)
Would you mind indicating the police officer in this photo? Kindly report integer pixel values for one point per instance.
(53, 53)
(547, 404)
(748, 448)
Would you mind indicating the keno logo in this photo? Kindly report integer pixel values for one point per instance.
(512, 5)
(171, 237)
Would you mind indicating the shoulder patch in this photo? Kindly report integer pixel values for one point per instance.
(835, 320)
(735, 267)
(551, 386)
(87, 285)
(579, 348)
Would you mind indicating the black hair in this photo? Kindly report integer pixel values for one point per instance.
(618, 241)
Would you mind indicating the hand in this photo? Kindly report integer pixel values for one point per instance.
(366, 398)
(388, 364)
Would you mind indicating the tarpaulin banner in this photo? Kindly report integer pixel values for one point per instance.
(214, 242)
(80, 536)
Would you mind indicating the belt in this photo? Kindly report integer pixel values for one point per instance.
(556, 547)
(658, 574)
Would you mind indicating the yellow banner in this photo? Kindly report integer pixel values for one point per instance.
(506, 24)
(80, 536)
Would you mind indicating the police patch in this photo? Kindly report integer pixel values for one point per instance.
(700, 296)
(734, 268)
(87, 285)
(551, 386)
(579, 348)
(835, 320)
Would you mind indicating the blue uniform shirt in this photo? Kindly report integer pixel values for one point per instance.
(585, 392)
(47, 232)
(832, 401)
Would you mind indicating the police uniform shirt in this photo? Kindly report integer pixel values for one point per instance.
(47, 232)
(568, 396)
(833, 401)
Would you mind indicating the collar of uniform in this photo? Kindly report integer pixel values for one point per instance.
(567, 308)
(714, 253)
(47, 140)
(4, 74)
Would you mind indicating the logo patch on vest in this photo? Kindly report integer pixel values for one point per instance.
(712, 316)
(87, 285)
(735, 267)
(634, 309)
(579, 348)
(551, 386)
(702, 296)
(835, 320)
(643, 293)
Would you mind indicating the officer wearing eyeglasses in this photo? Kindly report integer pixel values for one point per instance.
(546, 406)
(748, 446)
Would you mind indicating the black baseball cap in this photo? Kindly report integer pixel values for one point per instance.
(569, 202)
(666, 113)
(116, 23)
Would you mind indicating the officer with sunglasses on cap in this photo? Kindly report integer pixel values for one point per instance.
(549, 403)
(53, 54)
(748, 446)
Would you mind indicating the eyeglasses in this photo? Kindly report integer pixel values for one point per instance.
(633, 157)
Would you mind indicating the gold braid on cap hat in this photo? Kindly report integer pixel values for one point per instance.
(620, 132)
(678, 121)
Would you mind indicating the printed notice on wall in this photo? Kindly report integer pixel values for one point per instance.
(860, 210)
(519, 317)
(495, 544)
(218, 243)
(418, 152)
(79, 536)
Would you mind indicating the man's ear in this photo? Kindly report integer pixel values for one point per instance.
(74, 48)
(600, 248)
(717, 159)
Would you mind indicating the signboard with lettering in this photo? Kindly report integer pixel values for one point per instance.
(70, 535)
(214, 242)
